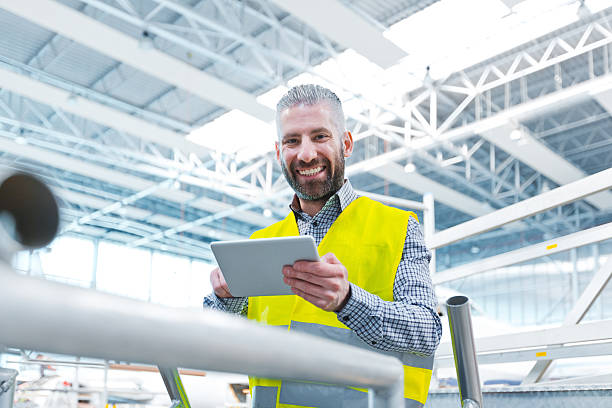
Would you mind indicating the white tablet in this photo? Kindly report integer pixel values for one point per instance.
(253, 267)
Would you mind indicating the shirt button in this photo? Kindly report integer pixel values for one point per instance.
(373, 343)
(315, 223)
(346, 318)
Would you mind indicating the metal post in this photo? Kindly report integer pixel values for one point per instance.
(460, 321)
(174, 386)
(105, 390)
(75, 385)
(429, 226)
(7, 387)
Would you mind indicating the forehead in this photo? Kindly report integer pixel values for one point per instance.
(303, 118)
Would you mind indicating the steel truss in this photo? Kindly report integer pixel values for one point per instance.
(437, 126)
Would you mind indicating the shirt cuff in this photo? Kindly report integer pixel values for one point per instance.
(360, 314)
(233, 304)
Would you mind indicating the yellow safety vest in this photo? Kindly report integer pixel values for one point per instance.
(368, 239)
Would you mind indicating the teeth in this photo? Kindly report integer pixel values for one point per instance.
(310, 172)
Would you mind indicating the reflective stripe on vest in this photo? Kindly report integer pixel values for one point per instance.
(314, 395)
(368, 239)
(264, 397)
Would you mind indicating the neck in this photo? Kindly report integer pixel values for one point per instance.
(312, 207)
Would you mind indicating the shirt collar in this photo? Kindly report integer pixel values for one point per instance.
(346, 195)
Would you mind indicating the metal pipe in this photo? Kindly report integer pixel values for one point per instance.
(464, 350)
(7, 387)
(57, 318)
(29, 215)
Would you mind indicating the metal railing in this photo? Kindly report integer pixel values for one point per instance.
(57, 318)
(550, 343)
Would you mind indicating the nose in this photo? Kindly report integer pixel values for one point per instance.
(307, 151)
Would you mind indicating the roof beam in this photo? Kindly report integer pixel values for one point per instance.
(604, 98)
(539, 157)
(564, 98)
(96, 112)
(136, 213)
(362, 36)
(127, 181)
(420, 184)
(124, 48)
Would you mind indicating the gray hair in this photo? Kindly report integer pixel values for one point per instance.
(310, 94)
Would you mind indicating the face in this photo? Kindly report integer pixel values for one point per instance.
(311, 151)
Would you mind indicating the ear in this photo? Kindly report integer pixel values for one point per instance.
(347, 140)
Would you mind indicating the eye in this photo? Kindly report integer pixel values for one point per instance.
(320, 136)
(290, 141)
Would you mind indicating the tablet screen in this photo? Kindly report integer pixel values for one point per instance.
(253, 267)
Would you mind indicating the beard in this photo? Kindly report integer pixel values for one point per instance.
(315, 190)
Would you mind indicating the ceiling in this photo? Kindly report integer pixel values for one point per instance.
(97, 97)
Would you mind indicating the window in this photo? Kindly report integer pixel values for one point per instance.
(123, 271)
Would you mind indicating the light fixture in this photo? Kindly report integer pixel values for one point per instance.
(145, 42)
(428, 81)
(409, 167)
(20, 139)
(516, 134)
(267, 212)
(583, 11)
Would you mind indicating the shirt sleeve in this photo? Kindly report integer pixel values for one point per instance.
(409, 323)
(236, 305)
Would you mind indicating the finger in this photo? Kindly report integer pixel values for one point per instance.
(311, 289)
(214, 280)
(318, 302)
(306, 276)
(219, 285)
(223, 291)
(213, 277)
(330, 258)
(315, 268)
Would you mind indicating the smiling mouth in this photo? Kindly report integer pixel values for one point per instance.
(311, 172)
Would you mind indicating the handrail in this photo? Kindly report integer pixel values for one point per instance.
(464, 351)
(58, 318)
(559, 196)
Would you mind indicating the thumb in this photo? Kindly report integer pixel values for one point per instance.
(330, 258)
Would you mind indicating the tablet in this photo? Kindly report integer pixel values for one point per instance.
(253, 267)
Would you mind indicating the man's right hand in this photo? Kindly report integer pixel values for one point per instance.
(219, 285)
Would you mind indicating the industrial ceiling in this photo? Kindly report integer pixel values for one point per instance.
(97, 98)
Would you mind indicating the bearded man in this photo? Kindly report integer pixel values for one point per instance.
(370, 289)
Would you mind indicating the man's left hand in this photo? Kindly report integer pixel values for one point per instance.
(324, 284)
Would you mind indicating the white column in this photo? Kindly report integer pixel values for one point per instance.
(429, 226)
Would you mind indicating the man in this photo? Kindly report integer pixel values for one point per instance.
(371, 288)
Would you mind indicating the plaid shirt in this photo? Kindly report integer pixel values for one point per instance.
(409, 323)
